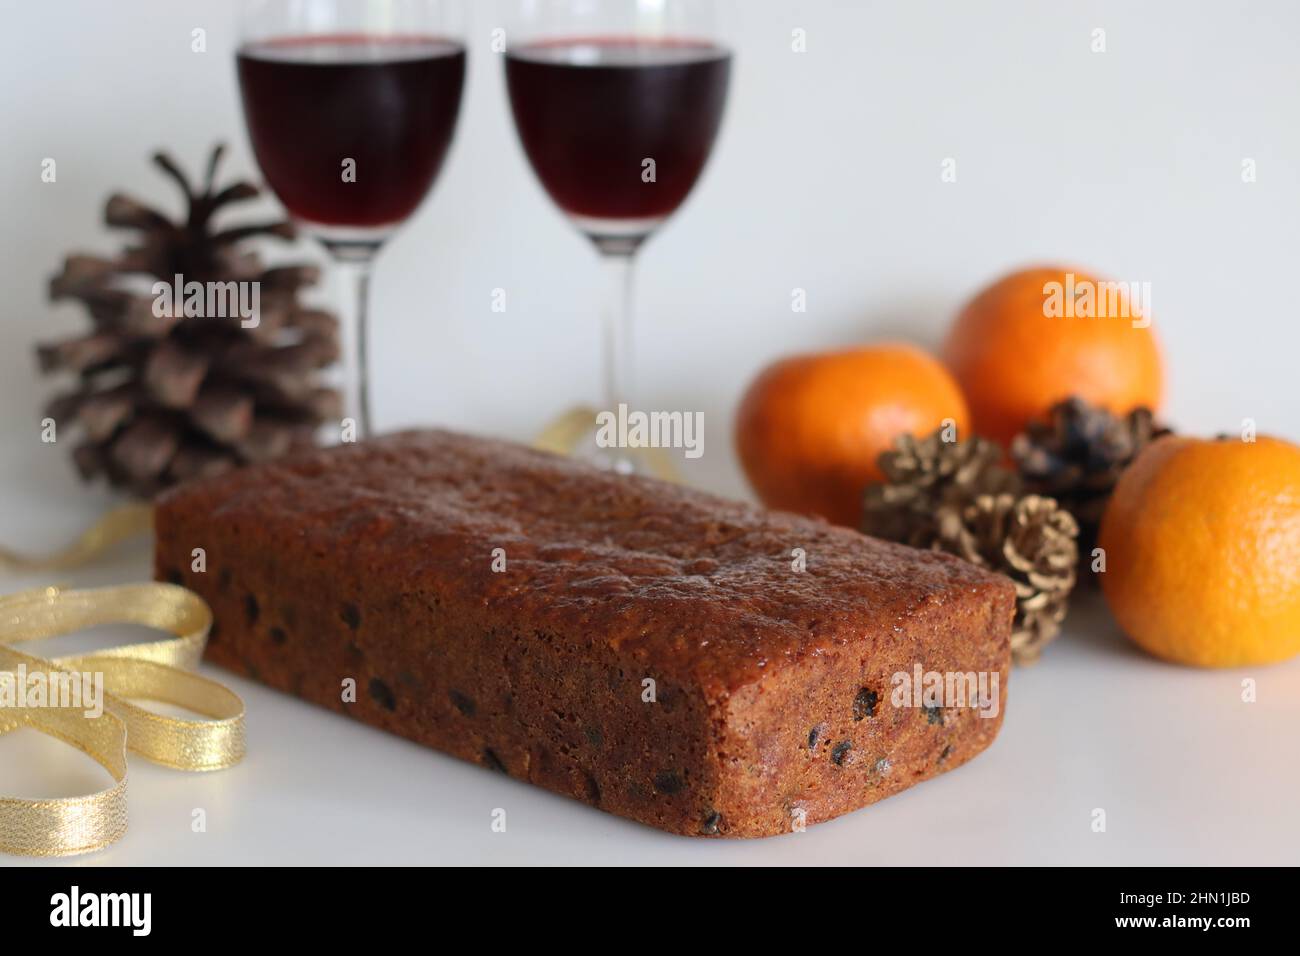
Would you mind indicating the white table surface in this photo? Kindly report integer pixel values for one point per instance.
(827, 178)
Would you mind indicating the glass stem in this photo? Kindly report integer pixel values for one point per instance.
(619, 269)
(354, 384)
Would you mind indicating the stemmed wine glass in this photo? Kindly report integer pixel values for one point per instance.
(617, 105)
(350, 107)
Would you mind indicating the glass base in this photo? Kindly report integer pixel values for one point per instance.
(618, 460)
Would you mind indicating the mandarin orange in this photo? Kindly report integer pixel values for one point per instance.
(1041, 335)
(1202, 547)
(810, 427)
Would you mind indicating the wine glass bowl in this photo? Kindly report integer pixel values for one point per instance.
(386, 105)
(617, 105)
(618, 128)
(351, 106)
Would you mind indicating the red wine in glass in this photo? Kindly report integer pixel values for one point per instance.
(388, 103)
(592, 110)
(350, 107)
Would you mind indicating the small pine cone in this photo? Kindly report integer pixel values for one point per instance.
(957, 497)
(1077, 455)
(927, 483)
(930, 464)
(1033, 541)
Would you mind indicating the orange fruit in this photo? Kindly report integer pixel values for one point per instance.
(810, 427)
(1202, 547)
(1026, 342)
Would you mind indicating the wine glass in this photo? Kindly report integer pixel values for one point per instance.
(350, 107)
(617, 105)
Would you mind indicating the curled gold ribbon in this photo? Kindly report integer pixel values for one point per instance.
(154, 670)
(120, 524)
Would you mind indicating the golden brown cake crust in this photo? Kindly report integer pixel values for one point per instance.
(376, 562)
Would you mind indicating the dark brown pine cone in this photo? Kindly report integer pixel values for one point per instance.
(158, 399)
(1077, 455)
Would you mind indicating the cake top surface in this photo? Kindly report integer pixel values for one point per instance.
(681, 577)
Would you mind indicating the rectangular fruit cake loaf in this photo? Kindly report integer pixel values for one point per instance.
(697, 664)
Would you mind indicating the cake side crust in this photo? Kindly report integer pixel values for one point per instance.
(847, 728)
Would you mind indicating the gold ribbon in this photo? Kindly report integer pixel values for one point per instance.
(154, 670)
(120, 524)
(566, 433)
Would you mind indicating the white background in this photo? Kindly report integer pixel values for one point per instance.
(826, 177)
